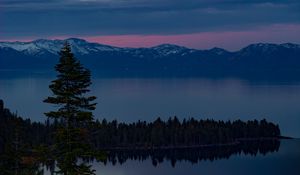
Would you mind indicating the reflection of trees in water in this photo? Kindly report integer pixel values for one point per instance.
(8, 162)
(194, 155)
(20, 141)
(20, 138)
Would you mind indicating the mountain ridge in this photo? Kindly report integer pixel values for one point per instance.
(78, 41)
(259, 59)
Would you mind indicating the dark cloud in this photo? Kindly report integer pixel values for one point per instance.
(43, 18)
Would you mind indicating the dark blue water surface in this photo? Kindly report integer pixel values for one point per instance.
(284, 161)
(131, 99)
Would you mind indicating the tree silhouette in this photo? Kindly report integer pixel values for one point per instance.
(71, 146)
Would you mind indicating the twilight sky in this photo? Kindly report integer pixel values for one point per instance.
(202, 24)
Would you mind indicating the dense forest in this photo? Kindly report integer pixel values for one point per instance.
(158, 134)
(175, 133)
(172, 140)
(16, 130)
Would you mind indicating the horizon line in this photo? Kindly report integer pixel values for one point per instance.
(136, 47)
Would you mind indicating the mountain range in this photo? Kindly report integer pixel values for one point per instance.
(255, 60)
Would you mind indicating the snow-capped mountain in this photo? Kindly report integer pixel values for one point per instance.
(79, 46)
(82, 47)
(170, 49)
(162, 59)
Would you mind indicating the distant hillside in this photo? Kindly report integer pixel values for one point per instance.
(255, 60)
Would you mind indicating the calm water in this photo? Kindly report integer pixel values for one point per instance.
(284, 161)
(145, 99)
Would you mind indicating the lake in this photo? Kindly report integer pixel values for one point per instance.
(284, 160)
(132, 99)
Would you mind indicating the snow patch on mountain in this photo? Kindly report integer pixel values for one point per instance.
(20, 46)
(218, 51)
(40, 46)
(82, 47)
(290, 46)
(170, 49)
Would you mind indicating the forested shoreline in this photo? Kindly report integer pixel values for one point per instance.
(172, 133)
(24, 144)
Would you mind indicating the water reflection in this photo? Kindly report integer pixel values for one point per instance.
(194, 155)
(13, 164)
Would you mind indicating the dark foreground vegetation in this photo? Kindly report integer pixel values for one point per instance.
(174, 133)
(146, 135)
(172, 140)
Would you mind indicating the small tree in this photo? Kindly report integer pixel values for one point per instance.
(71, 145)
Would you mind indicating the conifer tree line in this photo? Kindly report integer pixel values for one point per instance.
(175, 133)
(141, 134)
(140, 139)
(18, 140)
(33, 134)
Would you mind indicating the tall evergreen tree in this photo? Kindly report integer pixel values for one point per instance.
(69, 90)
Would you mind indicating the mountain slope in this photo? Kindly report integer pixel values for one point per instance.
(163, 60)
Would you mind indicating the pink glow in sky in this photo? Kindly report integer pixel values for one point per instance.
(231, 40)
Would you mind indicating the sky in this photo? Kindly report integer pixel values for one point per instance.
(202, 24)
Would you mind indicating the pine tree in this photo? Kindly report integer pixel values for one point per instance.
(69, 90)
